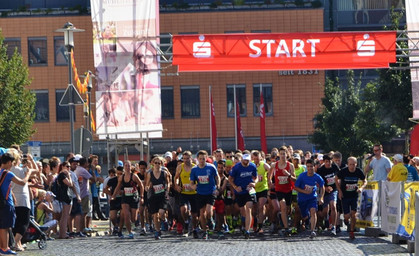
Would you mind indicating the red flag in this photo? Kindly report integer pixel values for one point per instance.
(213, 127)
(263, 145)
(240, 135)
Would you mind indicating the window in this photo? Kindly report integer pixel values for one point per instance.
(41, 106)
(60, 56)
(63, 112)
(37, 49)
(267, 99)
(260, 31)
(12, 44)
(190, 101)
(234, 31)
(167, 102)
(241, 99)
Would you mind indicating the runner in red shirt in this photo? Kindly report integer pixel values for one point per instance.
(283, 172)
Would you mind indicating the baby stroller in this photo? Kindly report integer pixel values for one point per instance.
(35, 233)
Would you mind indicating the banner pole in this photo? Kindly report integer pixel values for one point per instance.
(210, 118)
(235, 116)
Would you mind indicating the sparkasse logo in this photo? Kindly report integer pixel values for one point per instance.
(202, 49)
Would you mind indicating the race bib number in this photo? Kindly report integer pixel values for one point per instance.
(203, 179)
(228, 194)
(330, 181)
(158, 189)
(187, 188)
(252, 191)
(129, 191)
(351, 187)
(283, 179)
(308, 188)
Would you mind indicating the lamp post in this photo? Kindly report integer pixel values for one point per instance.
(68, 29)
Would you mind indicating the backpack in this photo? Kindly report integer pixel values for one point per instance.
(60, 192)
(3, 200)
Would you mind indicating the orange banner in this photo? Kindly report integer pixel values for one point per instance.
(291, 51)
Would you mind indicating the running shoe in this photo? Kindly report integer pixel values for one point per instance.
(80, 234)
(338, 230)
(226, 229)
(205, 236)
(313, 234)
(120, 235)
(246, 235)
(333, 231)
(157, 235)
(287, 232)
(195, 234)
(294, 231)
(143, 232)
(8, 252)
(351, 235)
(131, 236)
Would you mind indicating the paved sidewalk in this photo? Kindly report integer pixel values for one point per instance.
(171, 244)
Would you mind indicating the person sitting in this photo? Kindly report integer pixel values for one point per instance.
(44, 210)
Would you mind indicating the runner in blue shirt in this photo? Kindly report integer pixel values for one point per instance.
(306, 186)
(243, 179)
(206, 182)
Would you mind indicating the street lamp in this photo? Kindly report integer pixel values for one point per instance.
(68, 29)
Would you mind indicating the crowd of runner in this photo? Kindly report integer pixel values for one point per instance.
(285, 192)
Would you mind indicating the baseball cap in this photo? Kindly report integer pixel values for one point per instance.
(320, 157)
(246, 157)
(168, 154)
(120, 163)
(77, 157)
(296, 156)
(50, 193)
(209, 160)
(398, 158)
(2, 151)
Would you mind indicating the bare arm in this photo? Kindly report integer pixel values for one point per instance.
(140, 184)
(177, 176)
(118, 187)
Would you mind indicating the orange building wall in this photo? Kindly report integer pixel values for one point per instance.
(295, 98)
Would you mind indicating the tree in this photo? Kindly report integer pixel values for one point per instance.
(348, 122)
(17, 102)
(394, 89)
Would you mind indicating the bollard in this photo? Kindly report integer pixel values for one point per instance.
(416, 222)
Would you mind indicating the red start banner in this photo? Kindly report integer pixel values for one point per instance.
(290, 51)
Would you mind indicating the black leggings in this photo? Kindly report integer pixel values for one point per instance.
(22, 220)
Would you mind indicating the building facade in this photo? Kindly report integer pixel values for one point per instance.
(292, 98)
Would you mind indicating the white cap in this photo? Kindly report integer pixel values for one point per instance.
(320, 157)
(168, 154)
(246, 157)
(78, 157)
(398, 158)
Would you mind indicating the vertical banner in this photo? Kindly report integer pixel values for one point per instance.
(213, 125)
(125, 39)
(407, 224)
(263, 145)
(390, 206)
(412, 20)
(240, 135)
(367, 205)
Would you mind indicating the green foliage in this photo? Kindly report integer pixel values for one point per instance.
(348, 122)
(17, 102)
